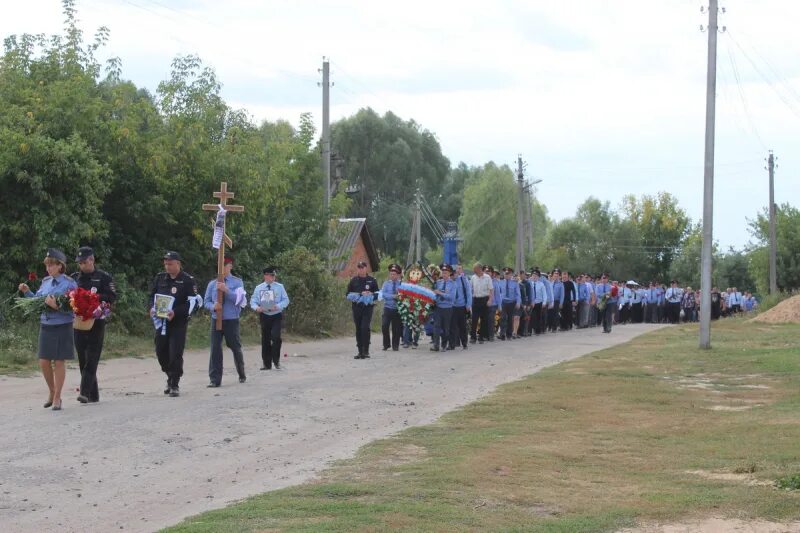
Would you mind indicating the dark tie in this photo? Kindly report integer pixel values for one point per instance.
(506, 288)
(269, 287)
(394, 287)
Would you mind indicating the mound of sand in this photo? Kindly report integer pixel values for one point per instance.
(788, 311)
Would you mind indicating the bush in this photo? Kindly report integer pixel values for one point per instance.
(318, 306)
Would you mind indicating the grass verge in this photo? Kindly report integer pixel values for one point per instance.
(652, 430)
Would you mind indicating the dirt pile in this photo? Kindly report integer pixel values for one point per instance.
(788, 311)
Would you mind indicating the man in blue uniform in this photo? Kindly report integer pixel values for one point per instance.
(269, 300)
(558, 300)
(538, 301)
(673, 297)
(462, 305)
(496, 302)
(512, 301)
(234, 299)
(89, 344)
(390, 321)
(445, 290)
(361, 292)
(605, 297)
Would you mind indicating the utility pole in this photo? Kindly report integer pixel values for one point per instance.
(528, 222)
(708, 181)
(326, 131)
(414, 244)
(773, 240)
(520, 217)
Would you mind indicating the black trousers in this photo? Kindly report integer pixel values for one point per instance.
(637, 313)
(524, 321)
(169, 350)
(89, 345)
(390, 321)
(673, 312)
(536, 318)
(362, 318)
(566, 315)
(458, 327)
(491, 317)
(230, 331)
(442, 321)
(507, 325)
(480, 313)
(552, 318)
(625, 314)
(607, 316)
(271, 341)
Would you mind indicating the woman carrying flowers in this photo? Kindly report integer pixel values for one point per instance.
(55, 332)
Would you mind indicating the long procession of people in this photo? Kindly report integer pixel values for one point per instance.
(489, 305)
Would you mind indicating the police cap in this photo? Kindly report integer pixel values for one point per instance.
(84, 253)
(58, 255)
(172, 256)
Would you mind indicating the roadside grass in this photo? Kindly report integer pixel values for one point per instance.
(652, 430)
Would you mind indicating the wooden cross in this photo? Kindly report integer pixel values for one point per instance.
(223, 196)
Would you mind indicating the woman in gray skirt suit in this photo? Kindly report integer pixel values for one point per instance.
(55, 331)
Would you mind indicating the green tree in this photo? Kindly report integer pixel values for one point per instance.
(787, 230)
(489, 215)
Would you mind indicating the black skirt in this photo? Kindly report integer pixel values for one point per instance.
(56, 342)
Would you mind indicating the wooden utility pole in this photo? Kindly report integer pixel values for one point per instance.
(223, 196)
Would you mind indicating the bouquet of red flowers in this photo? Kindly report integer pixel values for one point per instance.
(84, 303)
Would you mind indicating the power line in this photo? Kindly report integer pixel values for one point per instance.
(743, 99)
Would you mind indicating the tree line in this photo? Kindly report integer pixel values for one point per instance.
(89, 158)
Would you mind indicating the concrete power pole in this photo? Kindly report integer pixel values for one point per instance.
(326, 131)
(773, 240)
(414, 244)
(708, 181)
(520, 216)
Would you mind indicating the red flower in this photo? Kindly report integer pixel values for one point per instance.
(84, 302)
(32, 276)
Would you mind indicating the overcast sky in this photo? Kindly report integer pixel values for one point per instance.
(600, 98)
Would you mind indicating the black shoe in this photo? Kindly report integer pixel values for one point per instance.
(266, 368)
(396, 349)
(57, 406)
(277, 366)
(48, 404)
(473, 341)
(385, 348)
(365, 356)
(480, 341)
(83, 399)
(501, 338)
(359, 356)
(166, 391)
(464, 347)
(242, 379)
(174, 392)
(212, 385)
(434, 348)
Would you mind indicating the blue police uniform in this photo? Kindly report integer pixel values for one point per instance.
(272, 298)
(443, 313)
(461, 303)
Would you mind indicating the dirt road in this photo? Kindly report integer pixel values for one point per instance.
(138, 460)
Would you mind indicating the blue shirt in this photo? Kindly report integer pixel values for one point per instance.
(57, 286)
(558, 292)
(511, 293)
(230, 311)
(583, 292)
(463, 292)
(602, 289)
(548, 287)
(497, 293)
(445, 301)
(281, 299)
(389, 293)
(538, 292)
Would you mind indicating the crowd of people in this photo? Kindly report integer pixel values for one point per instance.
(174, 298)
(505, 305)
(490, 304)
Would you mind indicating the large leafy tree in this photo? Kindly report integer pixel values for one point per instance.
(386, 158)
(787, 231)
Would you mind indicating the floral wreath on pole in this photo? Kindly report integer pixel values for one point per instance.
(414, 302)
